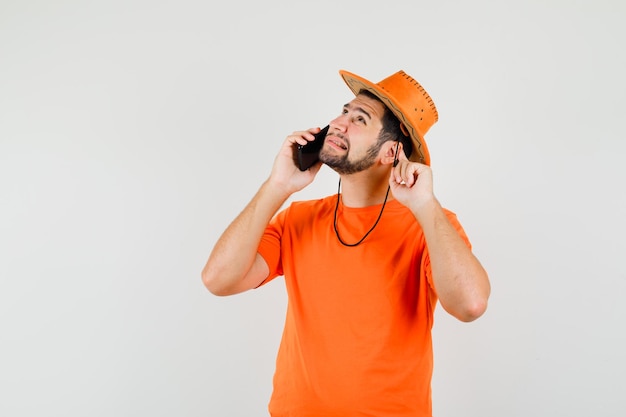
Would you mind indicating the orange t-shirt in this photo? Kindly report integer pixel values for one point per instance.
(357, 336)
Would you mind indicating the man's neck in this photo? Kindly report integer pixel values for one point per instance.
(364, 189)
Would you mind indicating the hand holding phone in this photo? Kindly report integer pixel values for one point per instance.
(308, 154)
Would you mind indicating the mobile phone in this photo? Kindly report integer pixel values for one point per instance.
(308, 154)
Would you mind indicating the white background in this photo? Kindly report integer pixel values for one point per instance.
(132, 132)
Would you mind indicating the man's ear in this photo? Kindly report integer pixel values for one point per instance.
(389, 151)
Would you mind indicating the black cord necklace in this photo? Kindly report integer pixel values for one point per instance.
(395, 162)
(369, 231)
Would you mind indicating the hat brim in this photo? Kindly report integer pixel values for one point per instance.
(355, 83)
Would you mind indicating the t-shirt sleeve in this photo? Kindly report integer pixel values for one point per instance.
(269, 248)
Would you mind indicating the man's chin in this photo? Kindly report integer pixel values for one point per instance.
(334, 162)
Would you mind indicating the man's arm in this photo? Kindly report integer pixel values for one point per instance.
(234, 265)
(461, 282)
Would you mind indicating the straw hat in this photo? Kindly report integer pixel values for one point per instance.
(408, 100)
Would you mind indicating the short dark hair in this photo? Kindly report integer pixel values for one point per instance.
(391, 126)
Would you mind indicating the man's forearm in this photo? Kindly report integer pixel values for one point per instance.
(229, 267)
(460, 280)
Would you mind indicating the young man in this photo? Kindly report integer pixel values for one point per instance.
(363, 268)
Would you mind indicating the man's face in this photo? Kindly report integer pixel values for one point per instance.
(352, 142)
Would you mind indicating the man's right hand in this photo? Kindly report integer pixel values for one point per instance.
(285, 173)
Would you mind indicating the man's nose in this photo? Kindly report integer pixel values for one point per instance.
(339, 123)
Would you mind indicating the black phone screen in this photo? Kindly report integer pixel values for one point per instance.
(308, 154)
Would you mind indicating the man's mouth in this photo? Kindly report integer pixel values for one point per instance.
(338, 142)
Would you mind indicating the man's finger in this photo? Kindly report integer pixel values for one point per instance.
(401, 155)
